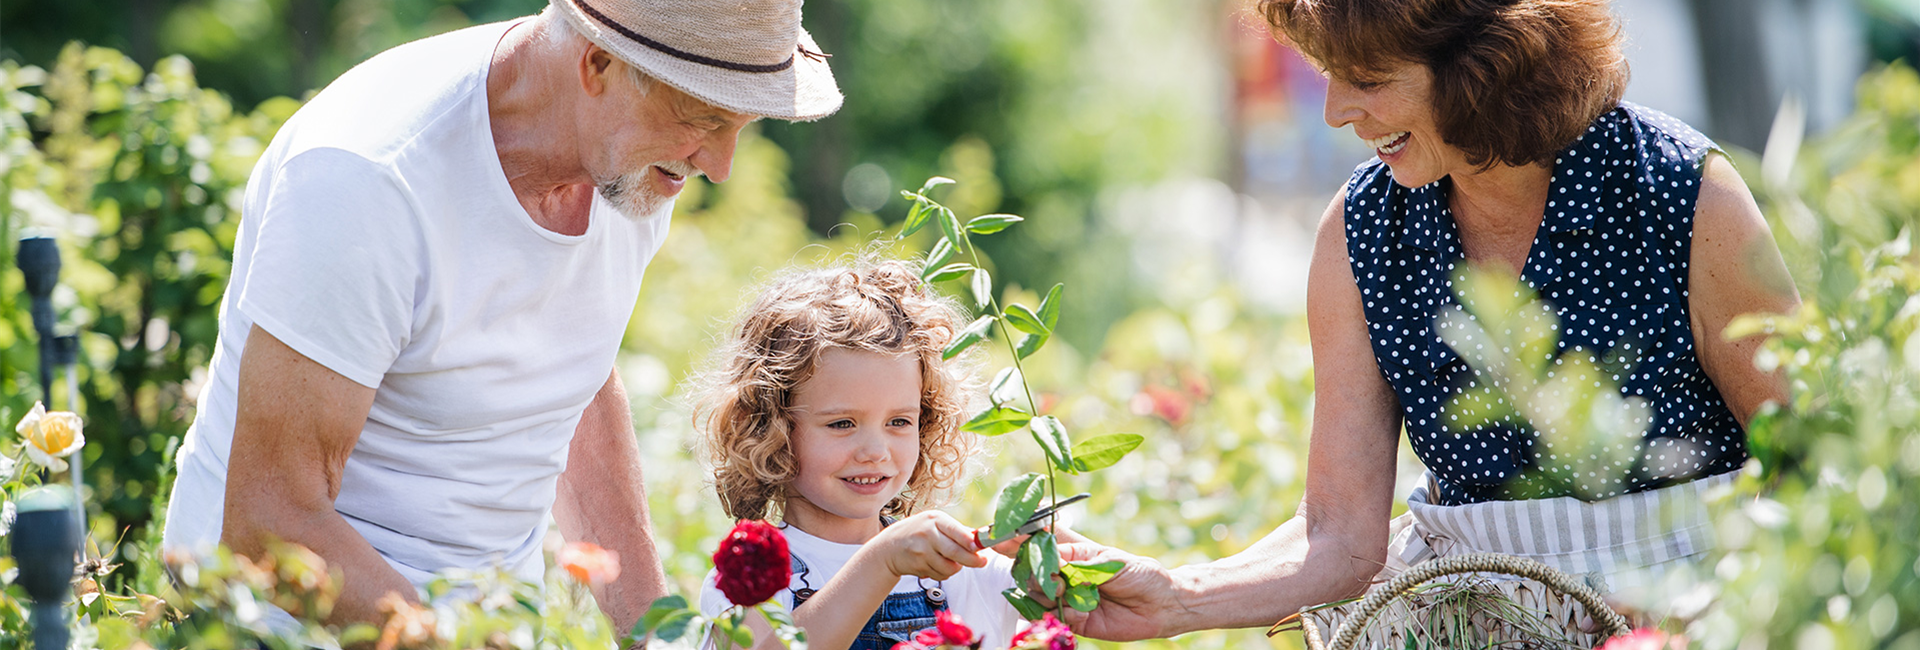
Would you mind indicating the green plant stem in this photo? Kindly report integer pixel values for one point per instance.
(1000, 321)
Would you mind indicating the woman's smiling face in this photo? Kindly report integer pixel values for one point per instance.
(1393, 113)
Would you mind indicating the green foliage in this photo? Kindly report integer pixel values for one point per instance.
(1825, 557)
(1038, 562)
(137, 175)
(1507, 335)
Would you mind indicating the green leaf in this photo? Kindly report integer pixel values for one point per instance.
(1030, 344)
(1052, 436)
(982, 288)
(735, 628)
(1029, 608)
(917, 215)
(1092, 574)
(941, 254)
(988, 224)
(1022, 565)
(661, 609)
(1017, 502)
(969, 336)
(1083, 597)
(779, 616)
(950, 271)
(675, 625)
(1005, 386)
(935, 182)
(1050, 307)
(1023, 319)
(997, 421)
(1046, 550)
(949, 226)
(1101, 452)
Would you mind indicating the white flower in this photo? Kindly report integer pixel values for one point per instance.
(49, 437)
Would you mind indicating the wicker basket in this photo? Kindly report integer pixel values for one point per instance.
(1542, 609)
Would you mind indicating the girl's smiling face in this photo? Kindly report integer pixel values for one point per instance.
(856, 439)
(1393, 113)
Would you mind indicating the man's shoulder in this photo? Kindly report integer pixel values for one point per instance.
(379, 107)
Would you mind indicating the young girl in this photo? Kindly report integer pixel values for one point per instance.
(830, 408)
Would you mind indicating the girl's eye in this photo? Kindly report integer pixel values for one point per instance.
(901, 422)
(840, 424)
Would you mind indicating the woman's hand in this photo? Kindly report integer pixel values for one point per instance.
(1136, 604)
(931, 544)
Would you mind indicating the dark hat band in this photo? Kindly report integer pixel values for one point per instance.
(677, 53)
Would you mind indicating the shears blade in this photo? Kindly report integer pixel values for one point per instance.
(1034, 523)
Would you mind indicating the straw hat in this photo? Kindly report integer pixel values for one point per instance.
(746, 56)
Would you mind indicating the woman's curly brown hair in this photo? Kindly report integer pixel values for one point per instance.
(741, 401)
(1514, 81)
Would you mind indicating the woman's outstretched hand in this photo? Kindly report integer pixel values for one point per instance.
(1139, 603)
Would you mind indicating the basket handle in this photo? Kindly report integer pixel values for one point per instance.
(1377, 599)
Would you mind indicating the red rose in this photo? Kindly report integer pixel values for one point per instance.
(1048, 633)
(752, 562)
(954, 632)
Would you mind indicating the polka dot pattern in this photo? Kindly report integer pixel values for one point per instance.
(1610, 259)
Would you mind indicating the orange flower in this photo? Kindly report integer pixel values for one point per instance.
(408, 625)
(589, 564)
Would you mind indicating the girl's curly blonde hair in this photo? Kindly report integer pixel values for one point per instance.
(741, 401)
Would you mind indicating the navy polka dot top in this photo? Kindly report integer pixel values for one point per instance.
(1610, 259)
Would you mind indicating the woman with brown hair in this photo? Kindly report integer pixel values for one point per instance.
(1502, 144)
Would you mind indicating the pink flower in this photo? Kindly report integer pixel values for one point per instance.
(1048, 633)
(954, 632)
(588, 563)
(1645, 639)
(948, 632)
(753, 563)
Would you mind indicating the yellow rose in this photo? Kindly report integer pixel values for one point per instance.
(49, 437)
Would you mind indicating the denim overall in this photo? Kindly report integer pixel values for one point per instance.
(899, 617)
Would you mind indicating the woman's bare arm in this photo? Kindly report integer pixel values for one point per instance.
(1735, 269)
(1338, 537)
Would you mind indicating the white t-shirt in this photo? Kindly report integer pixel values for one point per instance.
(973, 594)
(380, 238)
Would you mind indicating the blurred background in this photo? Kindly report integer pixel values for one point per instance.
(1169, 156)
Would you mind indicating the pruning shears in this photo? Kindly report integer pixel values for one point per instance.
(982, 535)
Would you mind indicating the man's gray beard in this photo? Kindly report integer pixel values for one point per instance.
(632, 197)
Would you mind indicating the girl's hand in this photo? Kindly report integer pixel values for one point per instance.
(931, 544)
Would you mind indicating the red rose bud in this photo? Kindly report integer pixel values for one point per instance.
(928, 638)
(1048, 633)
(753, 563)
(954, 632)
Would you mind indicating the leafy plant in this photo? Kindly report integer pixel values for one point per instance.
(1037, 564)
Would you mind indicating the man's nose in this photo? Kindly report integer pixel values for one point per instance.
(714, 158)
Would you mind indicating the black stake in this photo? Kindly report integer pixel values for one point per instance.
(39, 261)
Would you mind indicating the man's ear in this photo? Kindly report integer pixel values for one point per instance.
(594, 65)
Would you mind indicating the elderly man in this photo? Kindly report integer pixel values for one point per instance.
(439, 255)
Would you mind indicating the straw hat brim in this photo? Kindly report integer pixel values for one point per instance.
(802, 92)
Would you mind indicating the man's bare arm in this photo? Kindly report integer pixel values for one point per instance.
(297, 421)
(601, 500)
